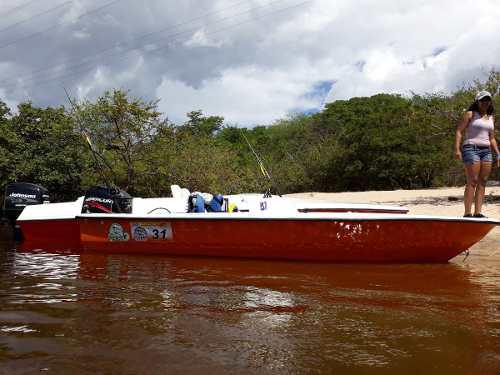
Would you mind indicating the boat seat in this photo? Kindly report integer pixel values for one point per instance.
(179, 193)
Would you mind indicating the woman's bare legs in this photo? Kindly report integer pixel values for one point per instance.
(472, 173)
(484, 173)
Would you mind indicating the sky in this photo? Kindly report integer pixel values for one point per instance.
(252, 62)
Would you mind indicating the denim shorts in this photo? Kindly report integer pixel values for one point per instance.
(472, 154)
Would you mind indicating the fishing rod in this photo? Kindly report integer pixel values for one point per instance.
(263, 169)
(95, 153)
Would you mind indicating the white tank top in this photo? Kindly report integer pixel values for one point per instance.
(478, 131)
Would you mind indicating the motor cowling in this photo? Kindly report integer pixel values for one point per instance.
(21, 194)
(103, 199)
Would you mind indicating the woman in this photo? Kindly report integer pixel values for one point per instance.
(476, 150)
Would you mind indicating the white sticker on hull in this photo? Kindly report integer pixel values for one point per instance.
(116, 233)
(153, 231)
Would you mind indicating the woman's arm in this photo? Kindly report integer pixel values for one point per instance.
(494, 146)
(464, 122)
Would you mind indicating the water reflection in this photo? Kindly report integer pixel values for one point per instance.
(132, 314)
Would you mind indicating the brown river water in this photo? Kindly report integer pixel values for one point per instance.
(96, 314)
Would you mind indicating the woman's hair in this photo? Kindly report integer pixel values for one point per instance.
(474, 107)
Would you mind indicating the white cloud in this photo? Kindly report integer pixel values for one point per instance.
(247, 95)
(200, 39)
(9, 103)
(77, 8)
(81, 34)
(260, 64)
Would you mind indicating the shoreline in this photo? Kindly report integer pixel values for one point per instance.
(439, 201)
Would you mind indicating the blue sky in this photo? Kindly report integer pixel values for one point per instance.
(252, 61)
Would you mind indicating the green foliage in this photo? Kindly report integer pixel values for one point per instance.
(198, 163)
(42, 147)
(379, 142)
(200, 125)
(121, 128)
(382, 144)
(6, 145)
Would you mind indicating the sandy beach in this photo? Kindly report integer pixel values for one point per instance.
(443, 202)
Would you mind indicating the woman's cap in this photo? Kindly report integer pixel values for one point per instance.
(482, 94)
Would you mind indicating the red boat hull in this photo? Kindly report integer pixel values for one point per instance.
(61, 234)
(348, 241)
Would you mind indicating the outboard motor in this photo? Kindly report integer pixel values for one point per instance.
(102, 199)
(21, 194)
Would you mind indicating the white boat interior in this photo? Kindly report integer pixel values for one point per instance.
(178, 203)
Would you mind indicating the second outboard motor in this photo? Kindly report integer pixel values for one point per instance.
(21, 194)
(102, 199)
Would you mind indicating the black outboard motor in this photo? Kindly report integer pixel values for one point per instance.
(102, 199)
(21, 194)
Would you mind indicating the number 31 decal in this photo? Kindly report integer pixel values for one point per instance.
(159, 234)
(151, 231)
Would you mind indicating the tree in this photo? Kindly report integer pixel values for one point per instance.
(379, 142)
(122, 128)
(384, 142)
(198, 124)
(6, 145)
(46, 150)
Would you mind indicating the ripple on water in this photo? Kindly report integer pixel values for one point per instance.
(79, 314)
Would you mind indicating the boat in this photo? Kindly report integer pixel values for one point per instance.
(263, 226)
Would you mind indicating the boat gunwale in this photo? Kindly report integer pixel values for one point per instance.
(288, 218)
(245, 216)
